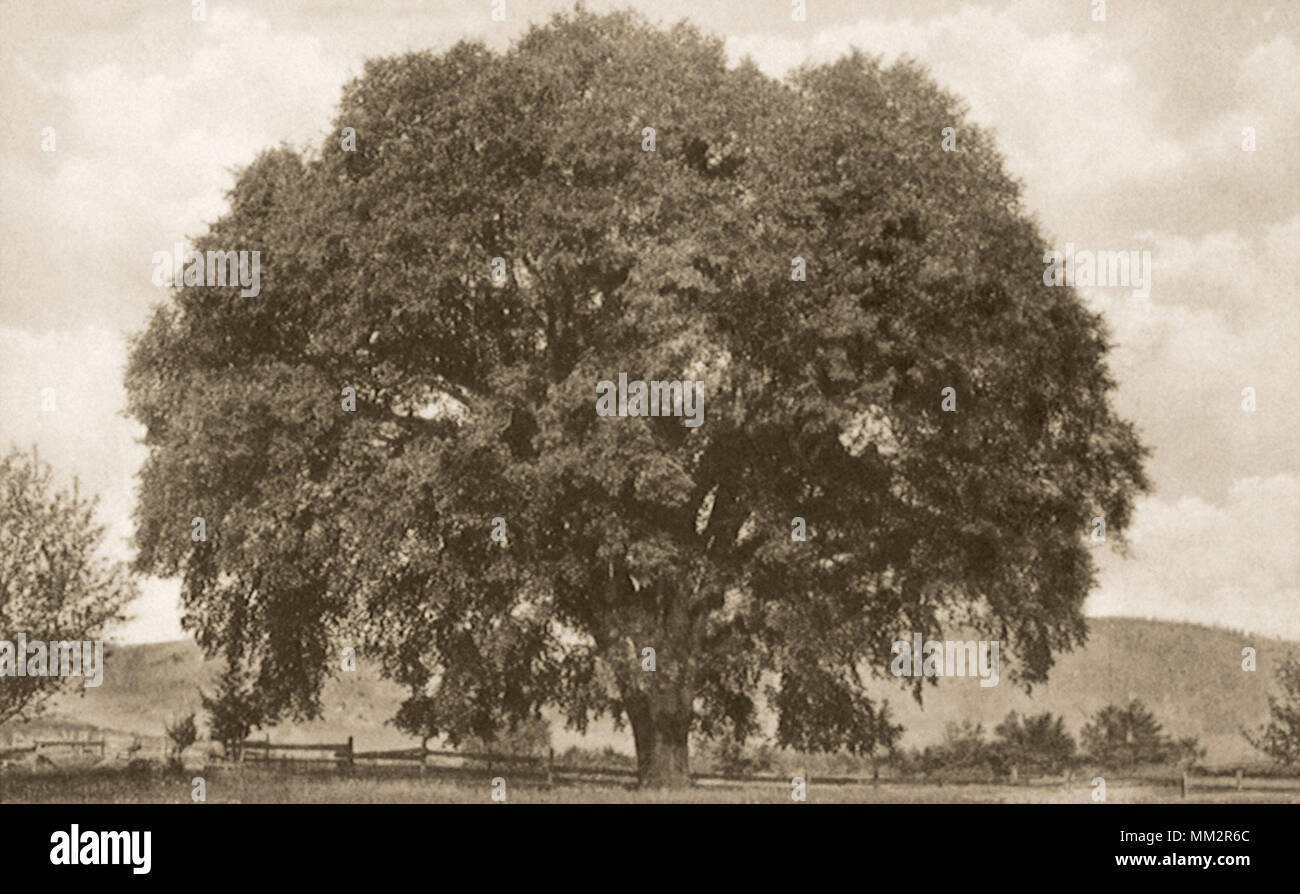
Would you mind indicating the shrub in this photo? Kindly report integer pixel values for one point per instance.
(606, 758)
(233, 712)
(182, 733)
(1037, 743)
(525, 738)
(730, 756)
(1280, 739)
(964, 753)
(1122, 737)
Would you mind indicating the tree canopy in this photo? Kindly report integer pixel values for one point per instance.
(666, 260)
(55, 584)
(1127, 735)
(1280, 737)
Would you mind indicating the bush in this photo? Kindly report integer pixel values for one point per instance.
(1123, 737)
(1037, 743)
(182, 733)
(607, 757)
(525, 738)
(729, 756)
(964, 754)
(141, 767)
(233, 712)
(1280, 739)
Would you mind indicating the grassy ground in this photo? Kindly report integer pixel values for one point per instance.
(370, 786)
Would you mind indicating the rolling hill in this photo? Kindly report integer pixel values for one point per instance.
(1189, 675)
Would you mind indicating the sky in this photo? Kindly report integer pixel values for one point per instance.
(1128, 135)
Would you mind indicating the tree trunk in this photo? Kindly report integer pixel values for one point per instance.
(659, 702)
(660, 728)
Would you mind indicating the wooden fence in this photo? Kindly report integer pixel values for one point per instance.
(345, 755)
(38, 745)
(545, 766)
(264, 751)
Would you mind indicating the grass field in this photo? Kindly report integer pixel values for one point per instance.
(393, 786)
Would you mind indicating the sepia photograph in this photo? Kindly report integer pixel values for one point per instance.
(439, 403)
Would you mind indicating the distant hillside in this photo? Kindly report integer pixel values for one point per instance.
(146, 685)
(1189, 675)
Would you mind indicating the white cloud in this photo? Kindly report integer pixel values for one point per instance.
(84, 436)
(1267, 90)
(1233, 564)
(1270, 76)
(1070, 112)
(1224, 314)
(145, 153)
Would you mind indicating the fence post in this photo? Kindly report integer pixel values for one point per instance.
(349, 752)
(550, 767)
(1239, 779)
(424, 755)
(1184, 784)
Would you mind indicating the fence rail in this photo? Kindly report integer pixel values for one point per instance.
(344, 754)
(543, 764)
(264, 751)
(420, 755)
(38, 745)
(341, 751)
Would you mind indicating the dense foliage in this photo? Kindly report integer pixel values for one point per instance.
(474, 399)
(55, 583)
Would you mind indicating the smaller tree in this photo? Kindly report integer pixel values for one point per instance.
(234, 711)
(964, 751)
(885, 736)
(964, 746)
(182, 733)
(1125, 736)
(1280, 739)
(1039, 742)
(1187, 752)
(54, 584)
